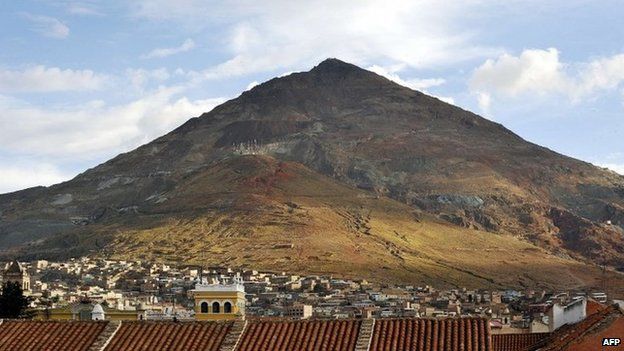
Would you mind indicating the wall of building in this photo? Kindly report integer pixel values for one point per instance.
(539, 327)
(569, 314)
(236, 298)
(64, 314)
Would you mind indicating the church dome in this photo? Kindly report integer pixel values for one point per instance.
(98, 309)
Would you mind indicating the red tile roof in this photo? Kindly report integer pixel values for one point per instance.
(588, 333)
(48, 335)
(593, 307)
(518, 342)
(594, 340)
(170, 336)
(466, 334)
(335, 335)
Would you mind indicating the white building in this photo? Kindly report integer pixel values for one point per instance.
(560, 315)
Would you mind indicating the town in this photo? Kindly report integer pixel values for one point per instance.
(136, 290)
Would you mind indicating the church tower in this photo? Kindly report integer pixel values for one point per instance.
(17, 274)
(219, 301)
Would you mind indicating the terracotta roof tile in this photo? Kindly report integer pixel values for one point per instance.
(593, 307)
(518, 342)
(593, 341)
(588, 333)
(48, 335)
(169, 336)
(467, 334)
(335, 335)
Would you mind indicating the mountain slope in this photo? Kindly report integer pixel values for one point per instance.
(342, 130)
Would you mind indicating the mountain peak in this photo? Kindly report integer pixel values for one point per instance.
(335, 65)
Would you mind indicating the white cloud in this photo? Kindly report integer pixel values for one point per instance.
(416, 84)
(534, 70)
(601, 74)
(89, 132)
(484, 100)
(618, 168)
(447, 99)
(288, 34)
(613, 161)
(542, 73)
(48, 26)
(140, 77)
(187, 45)
(15, 177)
(83, 9)
(251, 85)
(85, 133)
(94, 130)
(420, 84)
(48, 79)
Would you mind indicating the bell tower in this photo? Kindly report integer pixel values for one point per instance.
(219, 301)
(17, 274)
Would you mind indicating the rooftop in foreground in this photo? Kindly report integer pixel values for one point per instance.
(401, 334)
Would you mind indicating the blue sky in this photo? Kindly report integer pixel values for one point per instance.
(82, 81)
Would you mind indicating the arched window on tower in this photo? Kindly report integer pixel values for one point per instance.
(216, 308)
(204, 307)
(227, 307)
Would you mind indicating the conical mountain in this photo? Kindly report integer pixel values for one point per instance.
(342, 171)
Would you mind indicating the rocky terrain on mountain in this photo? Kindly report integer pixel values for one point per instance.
(338, 170)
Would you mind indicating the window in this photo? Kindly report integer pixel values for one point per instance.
(216, 308)
(227, 307)
(204, 307)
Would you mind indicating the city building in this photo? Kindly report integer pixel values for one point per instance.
(573, 312)
(15, 273)
(86, 311)
(298, 311)
(219, 301)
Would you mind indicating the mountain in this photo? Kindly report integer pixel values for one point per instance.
(342, 171)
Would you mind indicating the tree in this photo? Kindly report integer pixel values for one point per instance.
(13, 303)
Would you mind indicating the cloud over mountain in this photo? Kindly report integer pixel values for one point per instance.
(187, 45)
(541, 72)
(48, 26)
(38, 79)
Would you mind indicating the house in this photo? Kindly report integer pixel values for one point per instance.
(298, 311)
(589, 333)
(573, 312)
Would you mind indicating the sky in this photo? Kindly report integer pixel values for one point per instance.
(82, 81)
